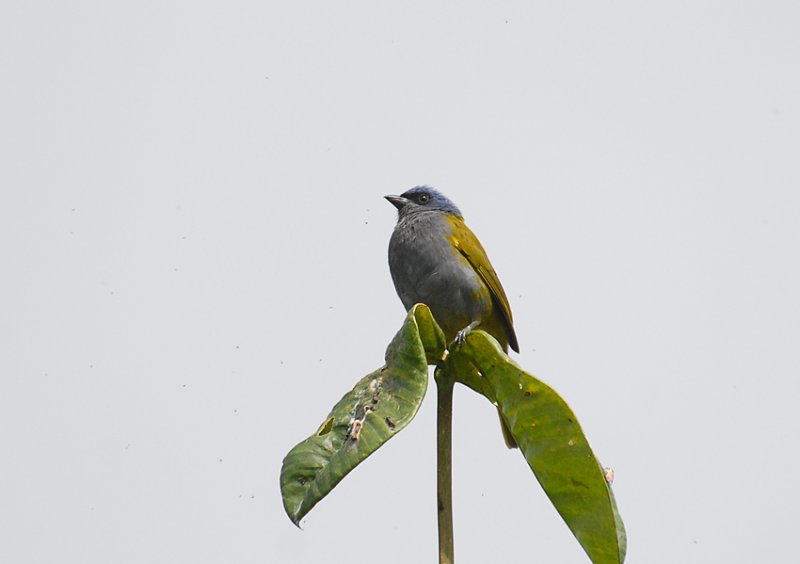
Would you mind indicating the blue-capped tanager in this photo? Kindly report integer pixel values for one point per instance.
(435, 259)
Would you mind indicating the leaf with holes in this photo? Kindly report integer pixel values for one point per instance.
(379, 406)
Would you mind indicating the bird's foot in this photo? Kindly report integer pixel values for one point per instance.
(461, 336)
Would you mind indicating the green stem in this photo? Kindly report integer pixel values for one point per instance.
(444, 472)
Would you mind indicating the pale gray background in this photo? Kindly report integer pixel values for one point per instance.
(194, 269)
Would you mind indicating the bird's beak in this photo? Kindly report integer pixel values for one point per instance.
(397, 201)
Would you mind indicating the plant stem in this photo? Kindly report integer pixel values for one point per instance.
(444, 472)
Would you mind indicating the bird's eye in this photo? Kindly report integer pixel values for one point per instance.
(423, 198)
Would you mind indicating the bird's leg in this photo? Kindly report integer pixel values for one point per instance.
(461, 336)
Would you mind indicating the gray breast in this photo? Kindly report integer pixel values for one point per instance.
(426, 268)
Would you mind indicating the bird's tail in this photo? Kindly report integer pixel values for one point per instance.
(507, 436)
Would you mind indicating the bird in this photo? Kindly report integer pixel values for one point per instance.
(435, 259)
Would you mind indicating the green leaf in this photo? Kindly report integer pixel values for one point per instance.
(380, 405)
(430, 333)
(553, 444)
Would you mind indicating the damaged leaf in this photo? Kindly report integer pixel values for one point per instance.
(381, 404)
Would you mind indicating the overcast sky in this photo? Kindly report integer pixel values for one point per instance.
(193, 247)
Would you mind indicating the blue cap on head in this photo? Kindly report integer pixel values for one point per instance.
(423, 198)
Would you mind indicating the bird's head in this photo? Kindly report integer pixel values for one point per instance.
(421, 199)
